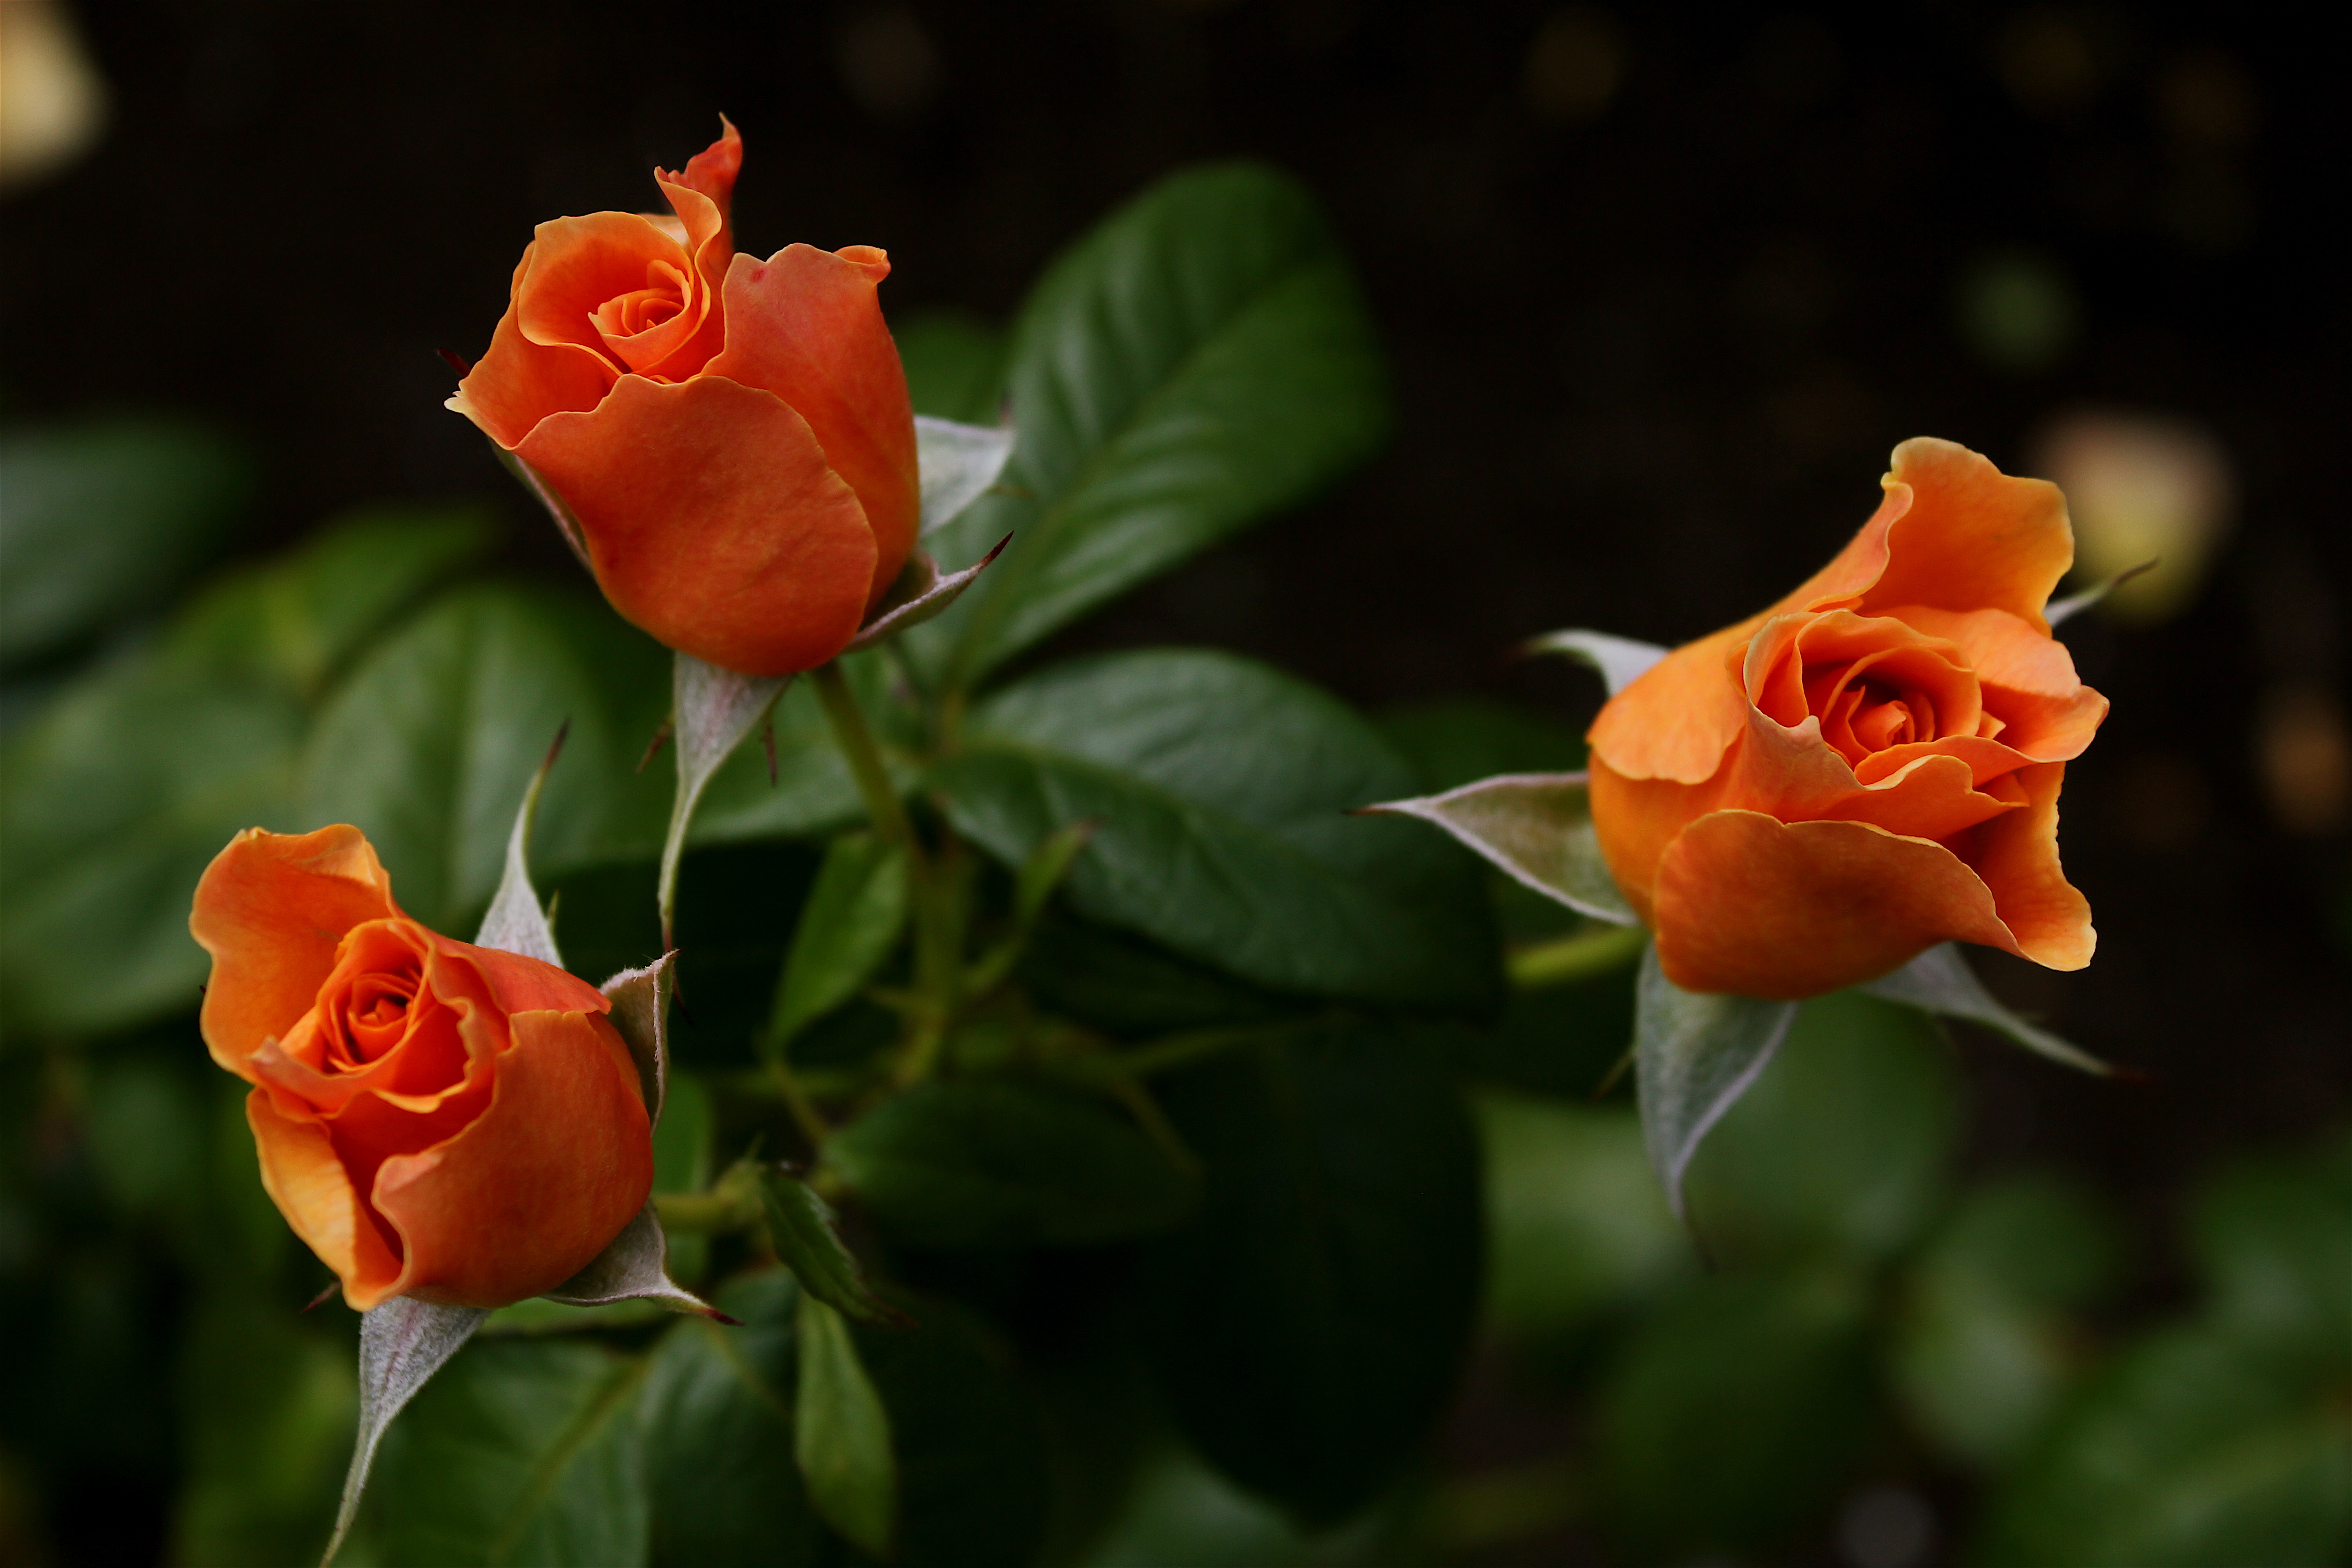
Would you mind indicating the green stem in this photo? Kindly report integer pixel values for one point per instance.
(934, 886)
(702, 1213)
(1180, 1050)
(1570, 959)
(858, 744)
(797, 1102)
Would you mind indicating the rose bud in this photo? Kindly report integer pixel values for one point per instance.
(1814, 797)
(732, 435)
(435, 1119)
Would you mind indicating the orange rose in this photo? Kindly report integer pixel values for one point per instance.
(732, 435)
(1814, 797)
(435, 1119)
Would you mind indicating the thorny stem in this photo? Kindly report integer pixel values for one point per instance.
(795, 1096)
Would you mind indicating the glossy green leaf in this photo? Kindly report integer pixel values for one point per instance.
(1456, 740)
(1124, 985)
(999, 1163)
(718, 1439)
(1842, 1144)
(1200, 360)
(848, 930)
(522, 1450)
(1693, 1055)
(954, 363)
(2201, 1446)
(100, 523)
(841, 1433)
(1730, 1416)
(1307, 1328)
(429, 743)
(1222, 789)
(971, 1456)
(806, 1235)
(1980, 1349)
(112, 802)
(1576, 1226)
(298, 620)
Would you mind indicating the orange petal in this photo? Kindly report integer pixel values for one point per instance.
(2028, 676)
(272, 909)
(1763, 908)
(1792, 774)
(713, 521)
(524, 1197)
(577, 264)
(1635, 819)
(2017, 856)
(518, 982)
(1680, 715)
(520, 383)
(710, 174)
(306, 1180)
(806, 325)
(1974, 538)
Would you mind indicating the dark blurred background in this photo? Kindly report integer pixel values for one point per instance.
(1661, 294)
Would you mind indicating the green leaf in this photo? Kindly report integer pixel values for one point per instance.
(719, 1441)
(2273, 1240)
(1732, 1415)
(1124, 985)
(971, 1455)
(1981, 1350)
(113, 800)
(514, 922)
(1620, 661)
(2202, 1444)
(841, 1433)
(718, 1437)
(103, 521)
(1536, 829)
(1576, 1228)
(1940, 980)
(430, 742)
(807, 1239)
(954, 363)
(296, 621)
(523, 1450)
(812, 791)
(1222, 789)
(1200, 360)
(1456, 740)
(402, 1343)
(266, 1411)
(1843, 1144)
(995, 1163)
(1307, 1330)
(1694, 1057)
(848, 930)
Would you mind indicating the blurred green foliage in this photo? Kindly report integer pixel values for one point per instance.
(1246, 1224)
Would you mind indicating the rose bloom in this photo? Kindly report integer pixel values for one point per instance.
(1813, 797)
(732, 435)
(435, 1119)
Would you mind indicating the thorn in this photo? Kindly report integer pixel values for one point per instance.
(1610, 1079)
(768, 739)
(454, 362)
(993, 554)
(2138, 1076)
(321, 1297)
(715, 1315)
(661, 739)
(555, 747)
